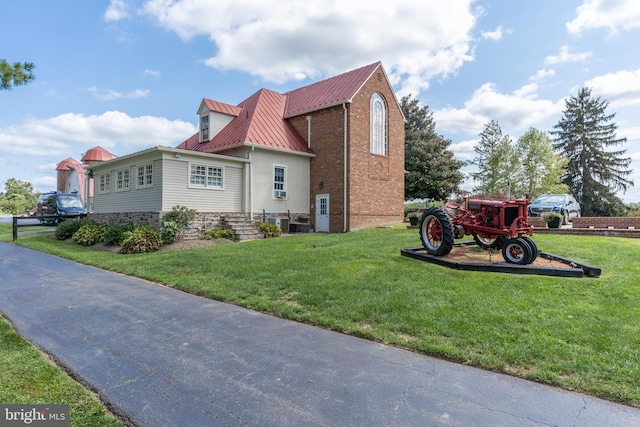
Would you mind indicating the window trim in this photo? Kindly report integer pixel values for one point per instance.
(204, 126)
(283, 184)
(145, 176)
(206, 176)
(104, 183)
(128, 179)
(378, 131)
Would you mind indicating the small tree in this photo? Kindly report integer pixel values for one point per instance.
(17, 74)
(538, 168)
(18, 197)
(495, 161)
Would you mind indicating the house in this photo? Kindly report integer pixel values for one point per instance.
(331, 153)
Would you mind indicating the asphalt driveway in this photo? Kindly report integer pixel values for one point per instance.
(160, 357)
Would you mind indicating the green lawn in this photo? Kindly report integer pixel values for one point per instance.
(580, 334)
(26, 377)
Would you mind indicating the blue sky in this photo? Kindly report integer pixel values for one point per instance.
(130, 74)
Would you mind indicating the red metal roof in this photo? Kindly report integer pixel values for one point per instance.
(329, 92)
(261, 119)
(221, 107)
(97, 154)
(64, 165)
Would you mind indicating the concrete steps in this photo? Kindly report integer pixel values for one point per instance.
(242, 225)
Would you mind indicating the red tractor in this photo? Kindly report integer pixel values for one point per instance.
(494, 224)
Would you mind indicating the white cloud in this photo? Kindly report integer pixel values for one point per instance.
(117, 11)
(282, 41)
(541, 74)
(619, 89)
(496, 34)
(516, 111)
(152, 73)
(609, 14)
(110, 94)
(75, 133)
(465, 150)
(565, 56)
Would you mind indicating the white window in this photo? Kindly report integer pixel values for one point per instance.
(279, 182)
(204, 128)
(104, 183)
(378, 125)
(205, 176)
(122, 180)
(145, 176)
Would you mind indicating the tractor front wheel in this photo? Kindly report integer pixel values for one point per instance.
(517, 251)
(436, 232)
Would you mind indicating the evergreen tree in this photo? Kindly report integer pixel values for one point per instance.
(585, 135)
(17, 74)
(539, 169)
(495, 161)
(432, 170)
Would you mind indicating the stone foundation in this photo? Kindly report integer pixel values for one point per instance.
(203, 221)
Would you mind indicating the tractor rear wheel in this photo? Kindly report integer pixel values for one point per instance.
(495, 242)
(517, 251)
(436, 232)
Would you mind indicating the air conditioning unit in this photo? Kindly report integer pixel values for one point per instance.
(279, 194)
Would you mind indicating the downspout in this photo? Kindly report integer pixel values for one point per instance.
(250, 177)
(344, 202)
(308, 131)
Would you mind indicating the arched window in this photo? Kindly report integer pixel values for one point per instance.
(378, 125)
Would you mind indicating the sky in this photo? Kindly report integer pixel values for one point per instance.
(127, 75)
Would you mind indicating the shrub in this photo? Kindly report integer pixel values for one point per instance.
(269, 230)
(169, 231)
(66, 229)
(219, 233)
(116, 234)
(89, 234)
(181, 215)
(174, 221)
(141, 240)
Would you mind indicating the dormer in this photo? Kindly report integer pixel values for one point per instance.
(213, 117)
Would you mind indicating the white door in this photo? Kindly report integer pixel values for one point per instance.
(322, 213)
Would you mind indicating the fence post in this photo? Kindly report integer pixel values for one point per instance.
(15, 228)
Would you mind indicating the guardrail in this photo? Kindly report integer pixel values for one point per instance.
(41, 218)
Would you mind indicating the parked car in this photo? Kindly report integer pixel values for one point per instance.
(67, 205)
(563, 204)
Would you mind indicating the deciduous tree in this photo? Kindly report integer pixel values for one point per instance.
(538, 168)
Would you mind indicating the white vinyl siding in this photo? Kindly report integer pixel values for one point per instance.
(147, 199)
(178, 189)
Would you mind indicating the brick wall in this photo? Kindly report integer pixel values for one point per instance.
(617, 222)
(537, 222)
(375, 183)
